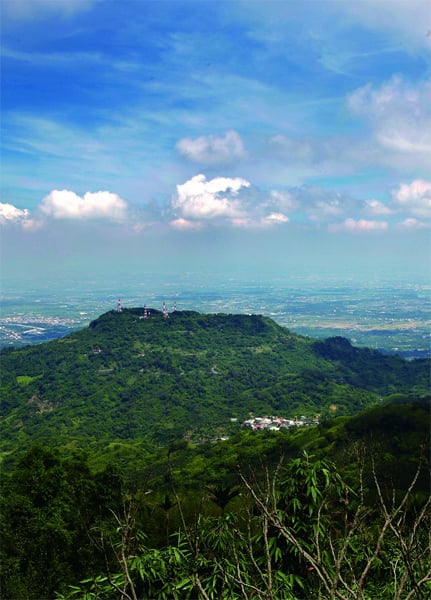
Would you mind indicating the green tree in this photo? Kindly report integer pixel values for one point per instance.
(302, 533)
(49, 508)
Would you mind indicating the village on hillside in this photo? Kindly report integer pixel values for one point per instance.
(278, 423)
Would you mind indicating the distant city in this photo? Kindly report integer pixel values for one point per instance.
(394, 318)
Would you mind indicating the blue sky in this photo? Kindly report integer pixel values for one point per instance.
(239, 136)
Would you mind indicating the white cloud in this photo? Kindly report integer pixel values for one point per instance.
(413, 198)
(284, 200)
(227, 201)
(403, 22)
(358, 226)
(412, 223)
(216, 198)
(185, 225)
(318, 204)
(408, 22)
(237, 203)
(399, 115)
(274, 218)
(323, 209)
(256, 221)
(377, 208)
(64, 204)
(212, 149)
(12, 214)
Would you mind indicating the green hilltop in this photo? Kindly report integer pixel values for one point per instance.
(137, 375)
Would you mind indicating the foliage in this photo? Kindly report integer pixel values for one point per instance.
(189, 517)
(48, 509)
(302, 534)
(126, 379)
(194, 515)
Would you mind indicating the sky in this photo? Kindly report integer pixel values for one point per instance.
(234, 137)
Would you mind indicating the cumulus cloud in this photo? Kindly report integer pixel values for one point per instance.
(358, 226)
(64, 204)
(413, 198)
(227, 201)
(239, 204)
(216, 198)
(11, 214)
(399, 115)
(409, 201)
(212, 149)
(235, 202)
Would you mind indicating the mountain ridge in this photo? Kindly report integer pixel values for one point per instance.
(139, 374)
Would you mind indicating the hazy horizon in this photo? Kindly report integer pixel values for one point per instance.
(386, 315)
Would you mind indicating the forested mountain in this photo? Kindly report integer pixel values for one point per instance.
(137, 375)
(113, 485)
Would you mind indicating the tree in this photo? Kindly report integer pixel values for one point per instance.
(353, 550)
(301, 533)
(222, 495)
(49, 507)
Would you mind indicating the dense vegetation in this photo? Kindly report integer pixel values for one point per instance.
(113, 484)
(350, 518)
(129, 379)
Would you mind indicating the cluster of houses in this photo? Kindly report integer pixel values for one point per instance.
(277, 423)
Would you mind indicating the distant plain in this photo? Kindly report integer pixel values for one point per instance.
(392, 317)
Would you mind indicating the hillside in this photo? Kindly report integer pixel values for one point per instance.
(60, 516)
(121, 403)
(127, 377)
